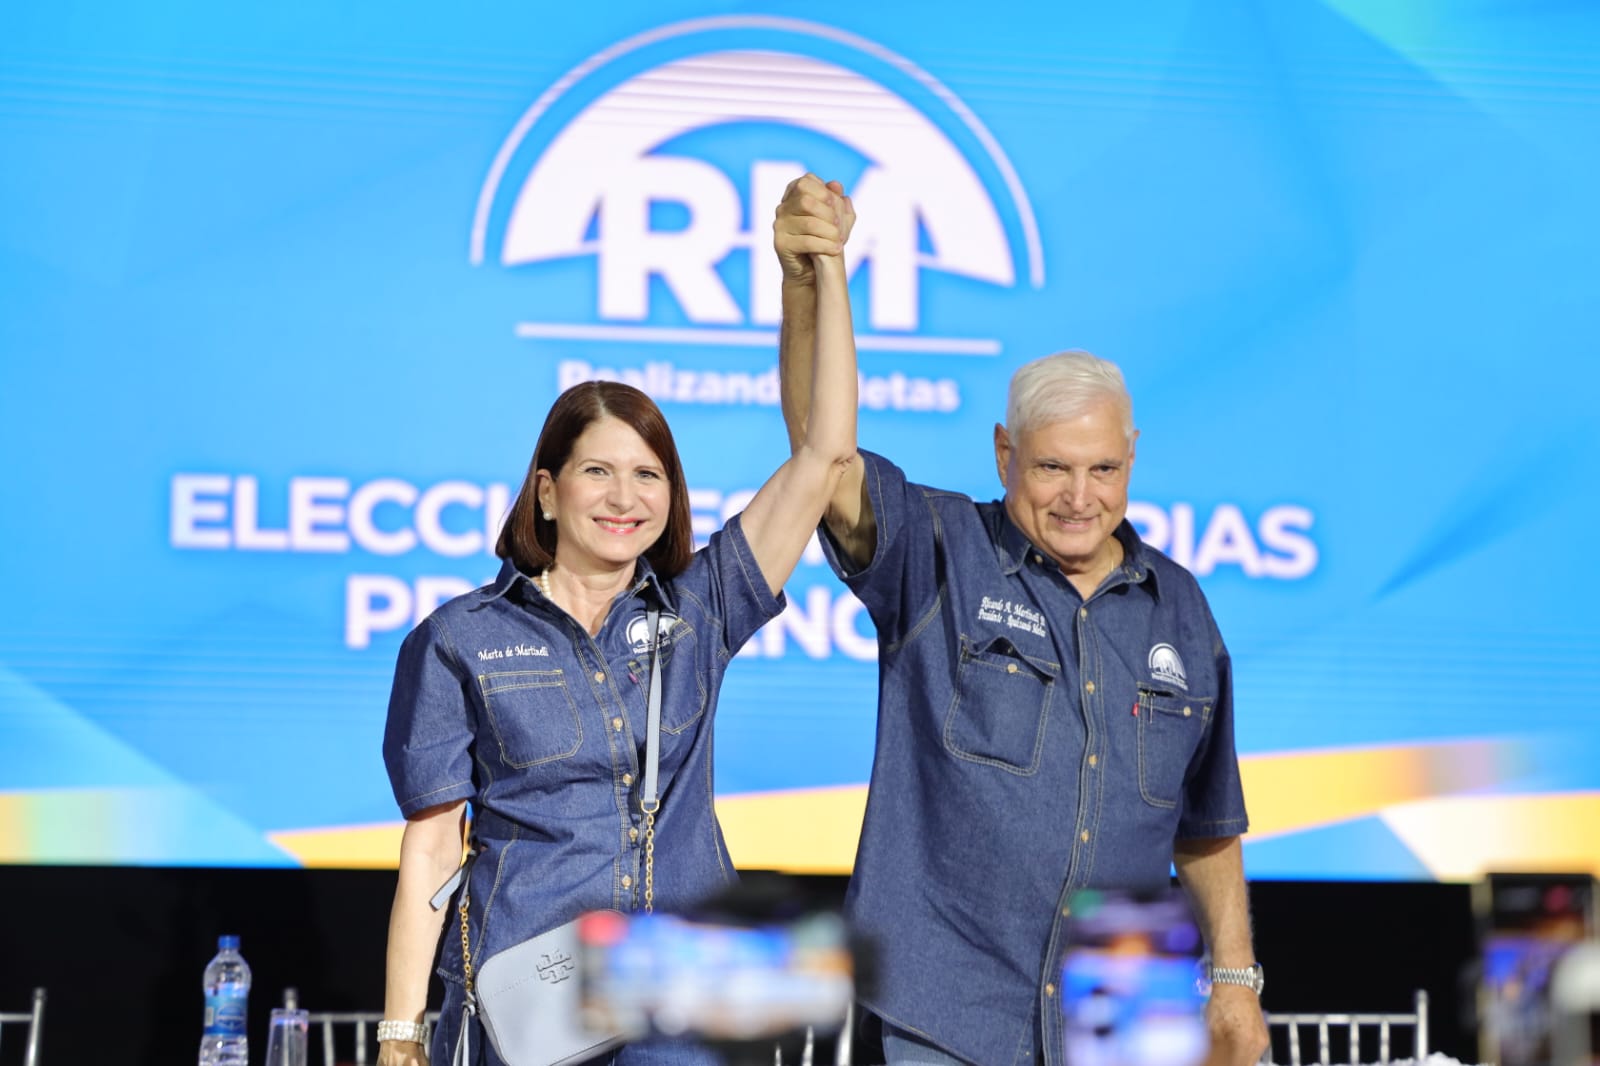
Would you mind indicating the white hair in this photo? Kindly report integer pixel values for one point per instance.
(1062, 386)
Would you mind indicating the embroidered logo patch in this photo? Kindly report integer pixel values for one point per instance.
(1167, 666)
(639, 631)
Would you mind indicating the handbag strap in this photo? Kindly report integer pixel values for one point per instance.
(649, 799)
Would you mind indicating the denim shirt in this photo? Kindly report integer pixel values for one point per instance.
(1031, 742)
(503, 699)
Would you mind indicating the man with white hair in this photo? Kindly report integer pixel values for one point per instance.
(1055, 710)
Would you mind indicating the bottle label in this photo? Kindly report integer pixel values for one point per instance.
(225, 1015)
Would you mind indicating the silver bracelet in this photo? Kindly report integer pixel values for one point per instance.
(406, 1032)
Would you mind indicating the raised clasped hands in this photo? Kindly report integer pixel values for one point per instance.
(814, 219)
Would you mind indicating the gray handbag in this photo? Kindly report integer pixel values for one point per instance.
(528, 996)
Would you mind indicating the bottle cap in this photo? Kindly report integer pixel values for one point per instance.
(227, 943)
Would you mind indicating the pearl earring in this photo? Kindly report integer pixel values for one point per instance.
(548, 517)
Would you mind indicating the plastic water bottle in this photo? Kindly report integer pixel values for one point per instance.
(227, 986)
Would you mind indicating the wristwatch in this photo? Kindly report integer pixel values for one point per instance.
(1252, 976)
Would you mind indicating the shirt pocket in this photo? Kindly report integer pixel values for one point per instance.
(532, 716)
(1002, 699)
(1171, 726)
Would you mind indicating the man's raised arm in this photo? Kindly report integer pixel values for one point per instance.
(815, 218)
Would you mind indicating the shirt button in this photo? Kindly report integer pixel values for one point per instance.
(1088, 686)
(627, 779)
(1084, 836)
(1094, 760)
(1066, 912)
(1039, 559)
(616, 724)
(1011, 668)
(1187, 712)
(1049, 990)
(599, 676)
(627, 882)
(633, 834)
(1083, 612)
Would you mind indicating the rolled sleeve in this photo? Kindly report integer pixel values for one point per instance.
(427, 738)
(738, 589)
(907, 532)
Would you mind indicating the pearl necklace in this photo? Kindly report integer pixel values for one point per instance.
(543, 581)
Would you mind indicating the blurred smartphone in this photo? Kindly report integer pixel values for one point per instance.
(733, 983)
(1527, 922)
(1130, 994)
(1575, 1006)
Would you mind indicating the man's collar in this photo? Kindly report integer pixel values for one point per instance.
(1012, 548)
(1135, 559)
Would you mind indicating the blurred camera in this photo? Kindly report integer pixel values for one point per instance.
(1527, 923)
(1131, 993)
(756, 965)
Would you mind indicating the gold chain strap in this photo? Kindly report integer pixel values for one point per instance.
(650, 858)
(466, 956)
(649, 805)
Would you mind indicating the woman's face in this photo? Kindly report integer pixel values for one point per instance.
(610, 501)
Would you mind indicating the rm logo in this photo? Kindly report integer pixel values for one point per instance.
(681, 254)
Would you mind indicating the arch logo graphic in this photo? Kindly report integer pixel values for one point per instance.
(639, 189)
(1166, 666)
(639, 631)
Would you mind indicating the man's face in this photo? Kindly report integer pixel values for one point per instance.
(1067, 487)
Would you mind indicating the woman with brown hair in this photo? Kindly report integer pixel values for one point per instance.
(527, 698)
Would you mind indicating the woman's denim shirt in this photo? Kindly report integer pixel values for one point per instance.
(1030, 743)
(503, 699)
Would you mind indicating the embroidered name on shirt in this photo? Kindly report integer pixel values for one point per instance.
(511, 651)
(1012, 615)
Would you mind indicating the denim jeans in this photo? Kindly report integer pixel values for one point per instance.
(901, 1048)
(659, 1053)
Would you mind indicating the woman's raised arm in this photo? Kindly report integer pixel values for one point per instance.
(785, 512)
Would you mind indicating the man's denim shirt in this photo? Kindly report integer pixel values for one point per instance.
(1030, 743)
(503, 699)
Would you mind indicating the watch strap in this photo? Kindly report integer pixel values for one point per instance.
(1250, 976)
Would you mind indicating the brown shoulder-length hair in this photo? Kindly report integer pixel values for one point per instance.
(530, 542)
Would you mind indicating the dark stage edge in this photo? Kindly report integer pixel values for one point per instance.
(121, 950)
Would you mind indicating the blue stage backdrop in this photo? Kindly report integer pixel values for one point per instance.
(286, 289)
